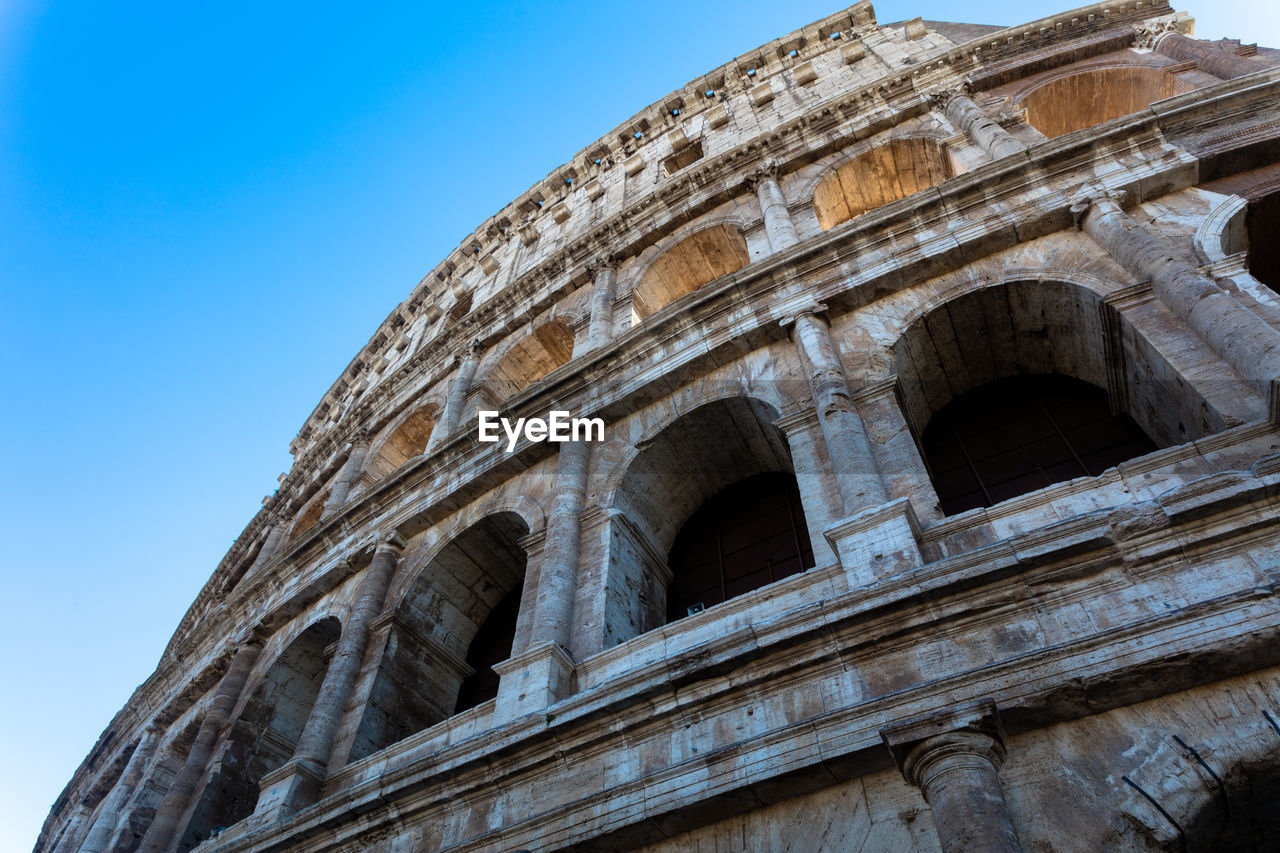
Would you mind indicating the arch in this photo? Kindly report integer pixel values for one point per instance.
(1090, 96)
(755, 377)
(530, 358)
(1225, 803)
(885, 173)
(697, 259)
(265, 732)
(402, 441)
(1022, 433)
(696, 458)
(310, 514)
(746, 536)
(447, 604)
(1040, 328)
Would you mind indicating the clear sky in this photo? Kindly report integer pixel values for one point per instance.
(205, 211)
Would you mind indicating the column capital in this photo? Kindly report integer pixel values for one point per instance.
(1101, 197)
(469, 350)
(813, 309)
(362, 436)
(920, 743)
(1147, 34)
(393, 544)
(940, 97)
(606, 263)
(767, 170)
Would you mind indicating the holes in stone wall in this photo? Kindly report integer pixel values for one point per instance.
(686, 156)
(492, 645)
(460, 308)
(883, 174)
(696, 260)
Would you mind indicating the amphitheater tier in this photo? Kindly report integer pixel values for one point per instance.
(805, 569)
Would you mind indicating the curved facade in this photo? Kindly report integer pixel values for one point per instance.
(937, 365)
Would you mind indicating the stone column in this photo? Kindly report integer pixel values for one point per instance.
(1208, 56)
(298, 783)
(1244, 340)
(954, 760)
(347, 475)
(269, 546)
(842, 429)
(538, 676)
(453, 404)
(558, 577)
(604, 279)
(164, 832)
(104, 827)
(778, 226)
(68, 842)
(981, 129)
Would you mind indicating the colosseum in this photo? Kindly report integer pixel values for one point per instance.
(931, 502)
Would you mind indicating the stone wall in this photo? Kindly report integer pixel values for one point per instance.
(790, 266)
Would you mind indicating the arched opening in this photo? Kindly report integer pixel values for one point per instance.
(137, 816)
(492, 645)
(704, 510)
(458, 614)
(407, 441)
(747, 536)
(1262, 222)
(1097, 95)
(310, 514)
(696, 260)
(533, 357)
(885, 173)
(976, 377)
(1022, 433)
(265, 734)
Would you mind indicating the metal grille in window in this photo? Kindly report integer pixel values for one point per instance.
(1021, 434)
(749, 535)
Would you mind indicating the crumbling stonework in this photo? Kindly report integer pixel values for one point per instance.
(775, 286)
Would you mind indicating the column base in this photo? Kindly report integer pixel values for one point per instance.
(535, 679)
(877, 543)
(287, 790)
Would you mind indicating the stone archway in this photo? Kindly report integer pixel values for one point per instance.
(424, 649)
(696, 260)
(886, 173)
(265, 733)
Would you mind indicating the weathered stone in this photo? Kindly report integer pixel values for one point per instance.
(811, 528)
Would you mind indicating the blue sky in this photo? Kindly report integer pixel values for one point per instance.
(205, 211)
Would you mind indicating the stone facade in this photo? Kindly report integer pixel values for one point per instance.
(791, 268)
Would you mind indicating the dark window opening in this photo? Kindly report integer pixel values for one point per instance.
(1262, 220)
(745, 537)
(1020, 434)
(684, 157)
(492, 644)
